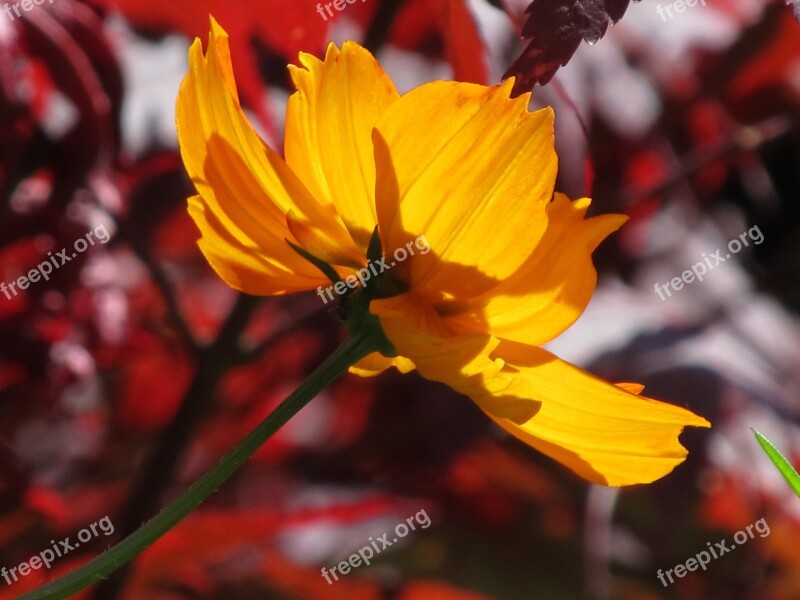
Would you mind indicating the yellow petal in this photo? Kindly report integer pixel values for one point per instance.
(240, 267)
(603, 432)
(472, 171)
(247, 187)
(633, 388)
(551, 290)
(314, 241)
(463, 362)
(329, 123)
(375, 364)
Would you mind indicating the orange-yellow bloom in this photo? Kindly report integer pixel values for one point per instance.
(509, 266)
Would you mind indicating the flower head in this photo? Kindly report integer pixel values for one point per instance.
(508, 262)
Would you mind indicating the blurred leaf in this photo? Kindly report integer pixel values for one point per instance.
(555, 28)
(758, 72)
(464, 47)
(780, 461)
(795, 4)
(444, 27)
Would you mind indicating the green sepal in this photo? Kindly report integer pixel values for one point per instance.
(326, 269)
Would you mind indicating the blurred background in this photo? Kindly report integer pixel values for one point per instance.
(133, 368)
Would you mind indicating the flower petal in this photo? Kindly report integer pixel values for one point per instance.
(246, 186)
(463, 362)
(240, 267)
(551, 290)
(473, 171)
(375, 364)
(603, 432)
(329, 123)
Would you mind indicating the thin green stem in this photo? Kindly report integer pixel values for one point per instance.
(363, 342)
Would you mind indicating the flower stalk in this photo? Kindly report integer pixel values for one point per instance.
(366, 337)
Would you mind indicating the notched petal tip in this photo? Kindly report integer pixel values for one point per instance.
(607, 434)
(215, 29)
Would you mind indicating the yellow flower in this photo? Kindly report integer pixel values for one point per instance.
(509, 262)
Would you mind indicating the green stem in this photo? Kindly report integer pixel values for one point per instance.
(363, 342)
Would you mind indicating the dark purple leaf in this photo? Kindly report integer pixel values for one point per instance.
(555, 28)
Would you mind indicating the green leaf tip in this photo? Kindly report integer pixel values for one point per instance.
(784, 466)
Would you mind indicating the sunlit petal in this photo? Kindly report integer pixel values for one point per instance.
(603, 432)
(245, 185)
(329, 121)
(463, 362)
(551, 290)
(473, 171)
(244, 269)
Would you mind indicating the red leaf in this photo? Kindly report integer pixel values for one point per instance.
(444, 27)
(153, 383)
(769, 70)
(555, 28)
(463, 44)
